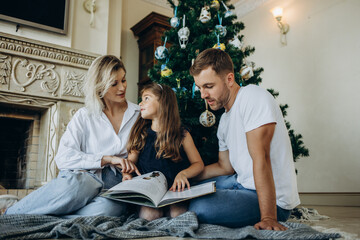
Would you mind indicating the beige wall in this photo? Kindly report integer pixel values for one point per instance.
(318, 75)
(133, 12)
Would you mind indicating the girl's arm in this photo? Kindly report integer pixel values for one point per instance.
(132, 159)
(196, 167)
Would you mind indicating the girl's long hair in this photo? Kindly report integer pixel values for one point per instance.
(170, 135)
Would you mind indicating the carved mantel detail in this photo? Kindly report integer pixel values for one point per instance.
(50, 80)
(5, 69)
(50, 52)
(74, 84)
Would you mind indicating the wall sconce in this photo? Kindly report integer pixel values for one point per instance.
(90, 7)
(284, 28)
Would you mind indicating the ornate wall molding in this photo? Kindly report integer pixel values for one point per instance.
(6, 97)
(49, 78)
(49, 52)
(50, 165)
(74, 84)
(5, 69)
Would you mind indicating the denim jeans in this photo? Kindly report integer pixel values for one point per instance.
(232, 205)
(72, 194)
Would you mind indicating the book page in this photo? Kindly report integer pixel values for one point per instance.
(153, 185)
(194, 191)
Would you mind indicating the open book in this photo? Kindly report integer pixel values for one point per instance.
(151, 190)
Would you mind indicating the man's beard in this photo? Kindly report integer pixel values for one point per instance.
(222, 101)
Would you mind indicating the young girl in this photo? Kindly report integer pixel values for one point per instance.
(158, 142)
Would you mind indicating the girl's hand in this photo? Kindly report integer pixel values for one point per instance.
(180, 182)
(126, 176)
(125, 165)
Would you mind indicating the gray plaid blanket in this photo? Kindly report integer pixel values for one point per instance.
(101, 227)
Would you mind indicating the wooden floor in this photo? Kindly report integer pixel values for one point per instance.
(346, 219)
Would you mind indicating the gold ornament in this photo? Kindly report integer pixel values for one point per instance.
(220, 46)
(215, 4)
(246, 72)
(165, 71)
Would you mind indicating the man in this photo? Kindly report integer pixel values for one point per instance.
(253, 143)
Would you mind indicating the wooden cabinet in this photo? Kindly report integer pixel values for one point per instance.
(149, 31)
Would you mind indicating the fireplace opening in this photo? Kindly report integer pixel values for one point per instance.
(18, 147)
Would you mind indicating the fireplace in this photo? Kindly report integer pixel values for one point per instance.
(19, 141)
(40, 90)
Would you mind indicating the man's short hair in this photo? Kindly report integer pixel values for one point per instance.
(217, 59)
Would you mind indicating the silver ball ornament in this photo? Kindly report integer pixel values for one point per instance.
(161, 52)
(174, 22)
(221, 30)
(207, 119)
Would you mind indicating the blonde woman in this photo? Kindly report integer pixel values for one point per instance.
(91, 150)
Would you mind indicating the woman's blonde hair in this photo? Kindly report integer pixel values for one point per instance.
(100, 76)
(170, 134)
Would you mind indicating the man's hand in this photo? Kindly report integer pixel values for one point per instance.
(269, 224)
(180, 182)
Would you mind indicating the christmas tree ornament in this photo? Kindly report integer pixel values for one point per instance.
(205, 15)
(183, 34)
(236, 43)
(207, 118)
(246, 71)
(165, 71)
(219, 45)
(220, 29)
(181, 90)
(228, 13)
(178, 80)
(175, 21)
(161, 52)
(194, 89)
(215, 4)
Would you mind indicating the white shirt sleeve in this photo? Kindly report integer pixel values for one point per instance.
(70, 153)
(259, 109)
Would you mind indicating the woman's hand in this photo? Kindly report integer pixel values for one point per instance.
(180, 182)
(126, 176)
(125, 165)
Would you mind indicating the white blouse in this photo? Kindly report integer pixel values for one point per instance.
(90, 137)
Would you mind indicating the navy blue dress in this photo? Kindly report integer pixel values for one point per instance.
(147, 161)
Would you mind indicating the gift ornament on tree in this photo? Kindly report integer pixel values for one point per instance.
(196, 26)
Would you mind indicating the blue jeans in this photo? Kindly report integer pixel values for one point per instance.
(72, 194)
(232, 205)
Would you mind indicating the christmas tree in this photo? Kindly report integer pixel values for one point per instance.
(196, 26)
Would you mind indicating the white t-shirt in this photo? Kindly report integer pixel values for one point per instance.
(254, 107)
(89, 137)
